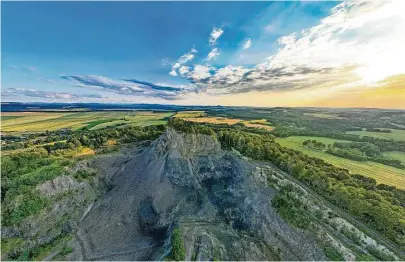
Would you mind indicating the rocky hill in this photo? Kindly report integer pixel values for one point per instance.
(184, 191)
(219, 201)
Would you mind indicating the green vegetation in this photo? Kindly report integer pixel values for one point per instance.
(322, 115)
(358, 195)
(39, 252)
(382, 173)
(291, 208)
(381, 207)
(178, 250)
(22, 172)
(333, 254)
(20, 175)
(396, 156)
(330, 150)
(395, 134)
(94, 123)
(313, 144)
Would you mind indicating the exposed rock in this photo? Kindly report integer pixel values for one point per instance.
(59, 185)
(218, 200)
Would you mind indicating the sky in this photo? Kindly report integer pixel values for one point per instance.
(329, 54)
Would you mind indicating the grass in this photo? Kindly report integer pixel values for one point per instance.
(259, 123)
(381, 173)
(267, 127)
(20, 122)
(396, 155)
(215, 120)
(188, 114)
(396, 134)
(3, 118)
(108, 124)
(95, 123)
(85, 152)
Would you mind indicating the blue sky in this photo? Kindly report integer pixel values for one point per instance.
(168, 52)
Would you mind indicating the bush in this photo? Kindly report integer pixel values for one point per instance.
(178, 250)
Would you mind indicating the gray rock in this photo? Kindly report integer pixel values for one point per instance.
(218, 200)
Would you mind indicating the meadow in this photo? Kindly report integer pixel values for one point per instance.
(381, 173)
(396, 155)
(21, 122)
(396, 134)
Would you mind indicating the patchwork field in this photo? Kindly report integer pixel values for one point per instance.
(395, 134)
(199, 117)
(20, 122)
(382, 173)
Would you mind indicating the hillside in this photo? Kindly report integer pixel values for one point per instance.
(184, 197)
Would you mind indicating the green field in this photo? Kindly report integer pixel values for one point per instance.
(396, 155)
(395, 134)
(382, 173)
(20, 122)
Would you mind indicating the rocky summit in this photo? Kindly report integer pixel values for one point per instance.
(218, 200)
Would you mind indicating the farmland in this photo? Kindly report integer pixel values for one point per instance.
(396, 134)
(188, 114)
(200, 117)
(21, 122)
(381, 173)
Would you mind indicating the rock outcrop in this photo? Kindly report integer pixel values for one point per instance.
(218, 200)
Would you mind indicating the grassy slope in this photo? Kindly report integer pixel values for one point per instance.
(382, 173)
(395, 134)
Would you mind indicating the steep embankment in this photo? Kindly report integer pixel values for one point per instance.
(218, 200)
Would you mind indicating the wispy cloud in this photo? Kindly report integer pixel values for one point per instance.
(247, 44)
(131, 87)
(215, 35)
(24, 68)
(10, 92)
(213, 54)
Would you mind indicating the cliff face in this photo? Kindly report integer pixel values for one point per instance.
(219, 201)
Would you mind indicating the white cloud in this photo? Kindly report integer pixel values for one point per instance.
(215, 35)
(184, 70)
(229, 75)
(213, 54)
(182, 60)
(199, 73)
(359, 43)
(247, 44)
(368, 34)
